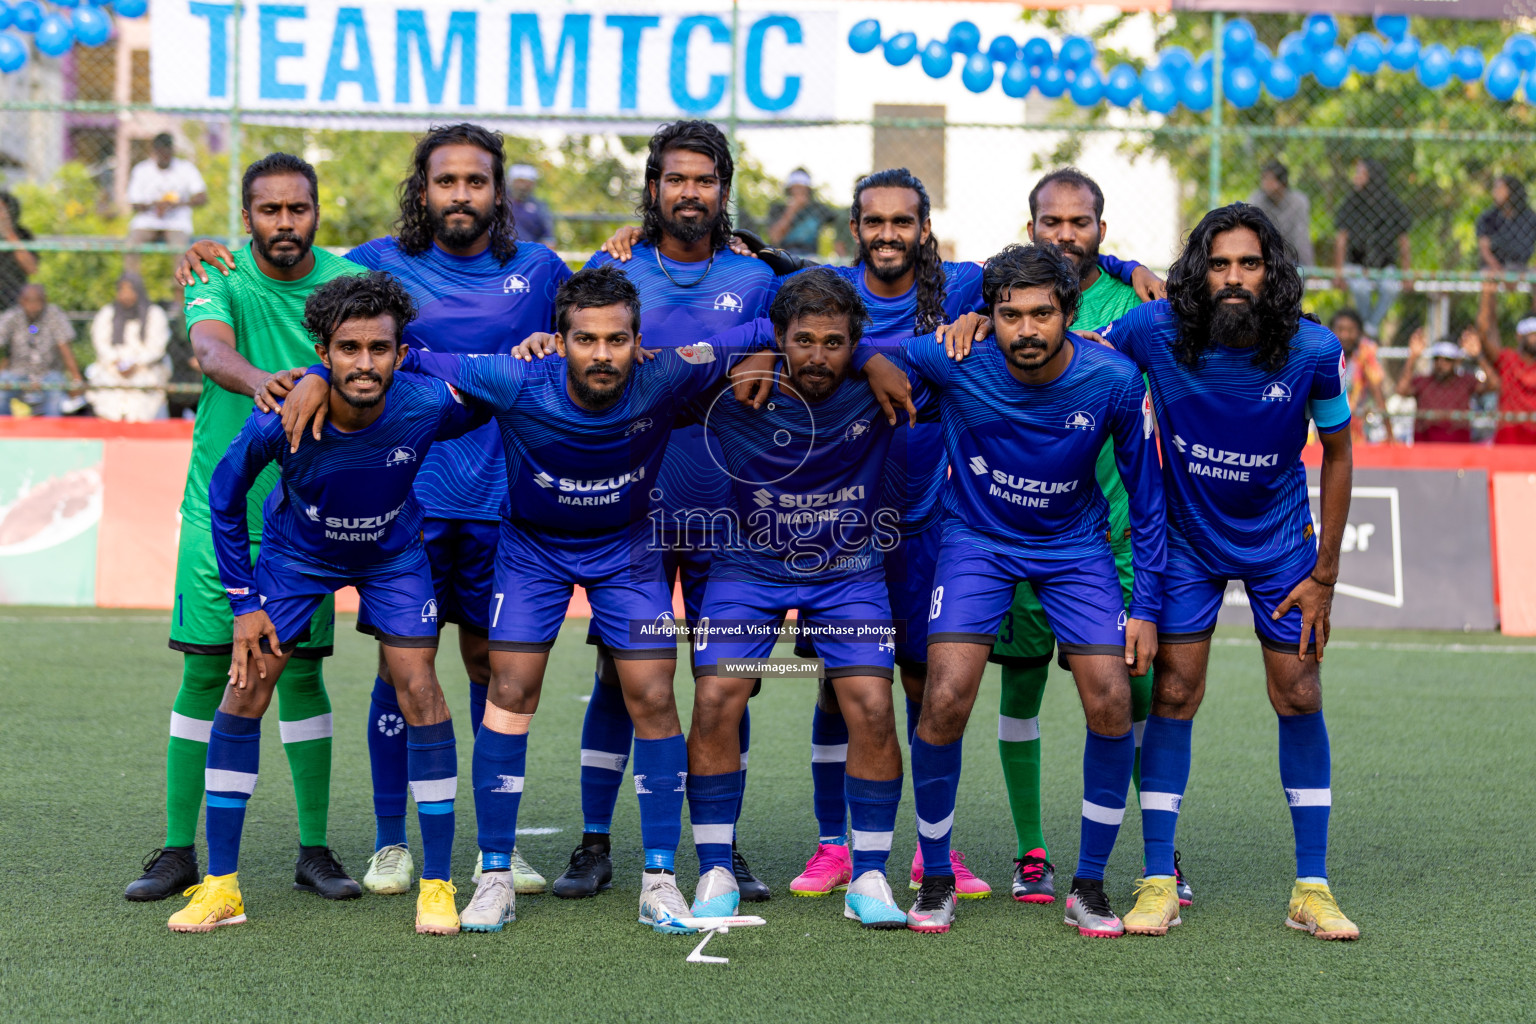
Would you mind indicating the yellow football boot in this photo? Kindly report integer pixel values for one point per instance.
(1157, 907)
(1314, 910)
(215, 902)
(435, 910)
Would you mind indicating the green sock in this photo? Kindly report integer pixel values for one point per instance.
(203, 678)
(1018, 745)
(304, 720)
(1141, 707)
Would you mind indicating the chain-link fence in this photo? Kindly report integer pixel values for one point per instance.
(1400, 200)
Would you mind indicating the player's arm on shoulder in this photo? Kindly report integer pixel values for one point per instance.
(888, 381)
(190, 268)
(461, 413)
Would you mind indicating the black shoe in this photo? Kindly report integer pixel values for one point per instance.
(167, 872)
(1186, 894)
(318, 871)
(753, 889)
(589, 873)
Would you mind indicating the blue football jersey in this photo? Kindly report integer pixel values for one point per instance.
(574, 471)
(684, 303)
(472, 305)
(1023, 456)
(345, 505)
(1232, 435)
(807, 484)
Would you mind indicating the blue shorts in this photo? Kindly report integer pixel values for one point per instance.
(850, 620)
(909, 582)
(622, 575)
(1192, 598)
(399, 608)
(463, 557)
(973, 590)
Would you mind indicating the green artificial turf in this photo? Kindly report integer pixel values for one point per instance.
(1432, 853)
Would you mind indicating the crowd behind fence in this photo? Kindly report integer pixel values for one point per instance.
(1401, 203)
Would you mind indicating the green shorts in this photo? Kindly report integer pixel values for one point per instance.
(1024, 640)
(201, 622)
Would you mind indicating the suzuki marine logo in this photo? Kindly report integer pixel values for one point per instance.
(1277, 392)
(1080, 421)
(763, 496)
(401, 456)
(429, 611)
(514, 284)
(729, 302)
(544, 479)
(979, 466)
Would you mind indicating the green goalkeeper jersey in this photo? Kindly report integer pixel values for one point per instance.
(1104, 302)
(268, 320)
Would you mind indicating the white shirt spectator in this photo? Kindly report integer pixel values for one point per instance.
(150, 183)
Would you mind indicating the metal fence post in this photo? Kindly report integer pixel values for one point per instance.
(1213, 172)
(233, 226)
(730, 124)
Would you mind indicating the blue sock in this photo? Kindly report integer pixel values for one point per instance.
(432, 760)
(234, 757)
(1107, 762)
(711, 802)
(829, 763)
(661, 782)
(935, 781)
(1306, 772)
(1165, 756)
(499, 764)
(477, 697)
(606, 733)
(913, 710)
(744, 734)
(386, 759)
(872, 812)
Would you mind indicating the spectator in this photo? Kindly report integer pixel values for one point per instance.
(163, 190)
(533, 219)
(1288, 210)
(795, 223)
(1516, 368)
(130, 337)
(1506, 231)
(1363, 375)
(16, 265)
(36, 336)
(1445, 388)
(1372, 226)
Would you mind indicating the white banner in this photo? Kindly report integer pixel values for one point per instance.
(495, 57)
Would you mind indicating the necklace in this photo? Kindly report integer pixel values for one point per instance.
(679, 284)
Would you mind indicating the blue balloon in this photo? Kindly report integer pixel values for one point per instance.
(1365, 53)
(1260, 60)
(1503, 77)
(899, 49)
(130, 8)
(1530, 89)
(1087, 87)
(1281, 80)
(864, 36)
(1052, 81)
(1038, 52)
(1522, 50)
(1205, 64)
(1295, 52)
(1076, 53)
(1195, 89)
(1331, 68)
(1393, 26)
(1017, 80)
(977, 73)
(13, 52)
(27, 15)
(66, 3)
(1467, 64)
(938, 61)
(6, 15)
(964, 37)
(1122, 85)
(1240, 85)
(1173, 61)
(1158, 93)
(1237, 41)
(1003, 50)
(1404, 54)
(55, 35)
(1321, 31)
(92, 28)
(1434, 66)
